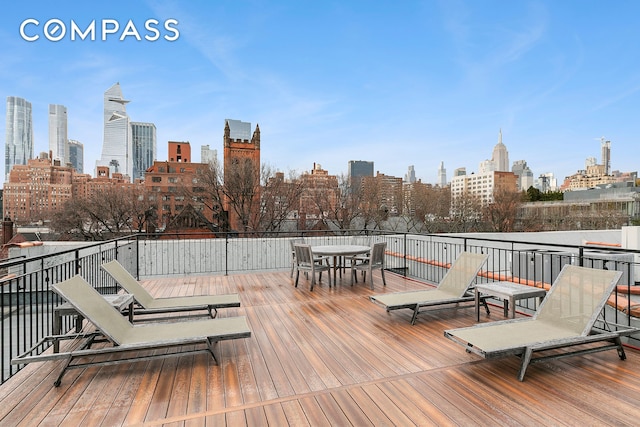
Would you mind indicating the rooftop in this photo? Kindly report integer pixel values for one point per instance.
(328, 357)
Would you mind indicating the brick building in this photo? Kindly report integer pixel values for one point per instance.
(319, 190)
(37, 190)
(175, 187)
(241, 171)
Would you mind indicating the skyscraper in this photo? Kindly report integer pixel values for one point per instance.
(75, 155)
(410, 177)
(606, 155)
(117, 146)
(442, 176)
(500, 156)
(143, 136)
(58, 133)
(18, 133)
(358, 169)
(524, 174)
(239, 130)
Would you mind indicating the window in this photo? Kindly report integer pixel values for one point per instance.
(156, 179)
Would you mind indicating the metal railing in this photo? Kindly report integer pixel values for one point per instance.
(27, 302)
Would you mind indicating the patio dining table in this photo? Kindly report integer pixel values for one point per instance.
(338, 252)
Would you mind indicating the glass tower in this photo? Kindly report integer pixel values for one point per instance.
(19, 133)
(239, 130)
(144, 147)
(75, 155)
(58, 132)
(117, 146)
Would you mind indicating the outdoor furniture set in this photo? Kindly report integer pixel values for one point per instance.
(565, 318)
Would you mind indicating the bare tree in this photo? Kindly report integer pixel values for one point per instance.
(500, 215)
(280, 198)
(373, 209)
(466, 212)
(105, 214)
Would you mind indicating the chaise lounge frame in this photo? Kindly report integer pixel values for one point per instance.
(126, 337)
(454, 288)
(150, 305)
(564, 320)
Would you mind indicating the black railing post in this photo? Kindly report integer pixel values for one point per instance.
(580, 256)
(404, 250)
(78, 266)
(226, 254)
(137, 256)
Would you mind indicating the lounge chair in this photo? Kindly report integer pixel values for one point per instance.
(126, 337)
(151, 305)
(454, 288)
(565, 318)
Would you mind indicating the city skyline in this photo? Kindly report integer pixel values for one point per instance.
(418, 83)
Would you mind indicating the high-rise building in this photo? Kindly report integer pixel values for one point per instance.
(606, 155)
(117, 146)
(410, 177)
(360, 168)
(143, 136)
(546, 182)
(524, 174)
(207, 155)
(357, 170)
(18, 133)
(35, 190)
(500, 155)
(486, 166)
(238, 130)
(58, 133)
(75, 155)
(483, 186)
(460, 172)
(442, 176)
(388, 190)
(317, 185)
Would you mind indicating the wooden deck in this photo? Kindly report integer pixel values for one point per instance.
(327, 357)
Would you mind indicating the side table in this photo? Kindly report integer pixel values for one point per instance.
(509, 292)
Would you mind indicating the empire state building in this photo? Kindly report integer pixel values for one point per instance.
(500, 156)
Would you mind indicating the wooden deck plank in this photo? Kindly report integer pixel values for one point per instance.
(426, 412)
(294, 413)
(314, 412)
(331, 410)
(327, 357)
(275, 415)
(355, 411)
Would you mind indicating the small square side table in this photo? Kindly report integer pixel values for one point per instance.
(508, 292)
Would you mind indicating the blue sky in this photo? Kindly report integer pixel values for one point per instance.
(395, 82)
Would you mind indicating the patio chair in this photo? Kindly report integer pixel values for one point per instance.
(309, 263)
(565, 318)
(367, 264)
(454, 288)
(187, 335)
(150, 305)
(292, 242)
